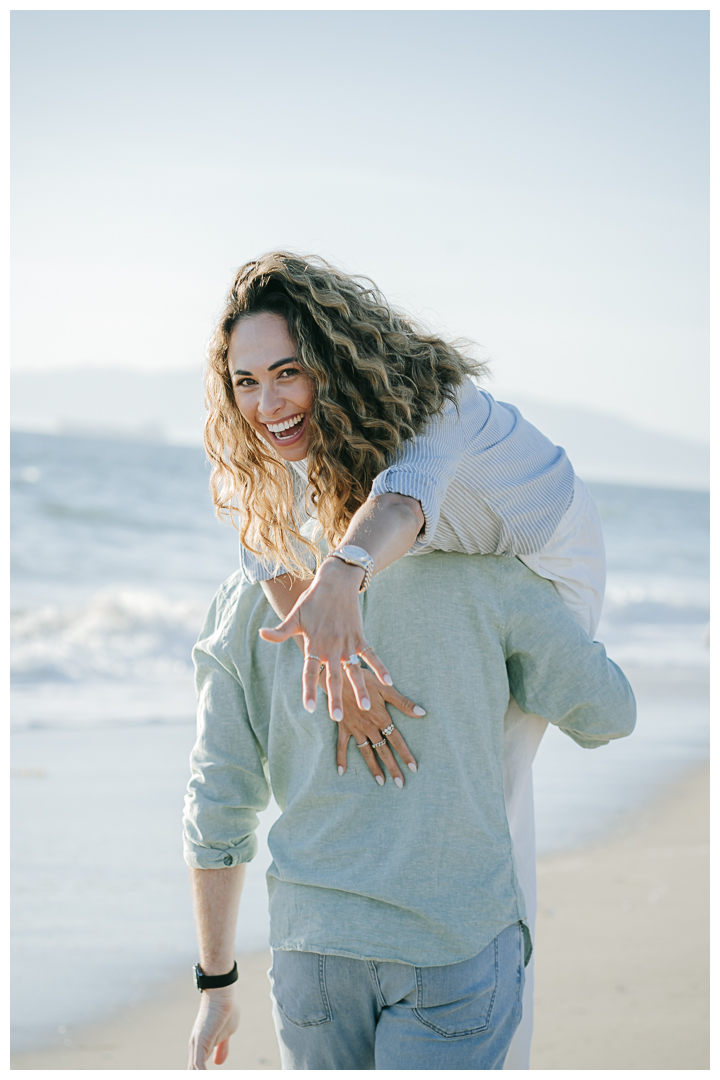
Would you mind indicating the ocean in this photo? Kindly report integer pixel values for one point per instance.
(116, 554)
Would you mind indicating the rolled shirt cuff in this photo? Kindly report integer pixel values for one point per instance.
(399, 481)
(218, 856)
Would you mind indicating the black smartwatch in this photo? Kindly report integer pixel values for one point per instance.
(213, 982)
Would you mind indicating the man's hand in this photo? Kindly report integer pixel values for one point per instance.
(217, 1019)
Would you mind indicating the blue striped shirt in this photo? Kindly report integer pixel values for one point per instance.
(489, 483)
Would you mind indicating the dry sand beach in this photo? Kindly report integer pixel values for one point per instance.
(622, 963)
(622, 978)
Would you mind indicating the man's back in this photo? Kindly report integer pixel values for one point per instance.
(423, 874)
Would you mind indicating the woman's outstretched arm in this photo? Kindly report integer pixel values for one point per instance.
(327, 613)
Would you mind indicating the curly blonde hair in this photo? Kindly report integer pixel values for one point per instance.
(378, 379)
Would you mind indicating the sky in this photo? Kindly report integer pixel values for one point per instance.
(536, 181)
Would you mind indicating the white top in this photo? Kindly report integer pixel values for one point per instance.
(489, 483)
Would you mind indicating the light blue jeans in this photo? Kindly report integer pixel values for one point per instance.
(332, 1012)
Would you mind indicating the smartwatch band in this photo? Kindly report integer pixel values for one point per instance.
(214, 982)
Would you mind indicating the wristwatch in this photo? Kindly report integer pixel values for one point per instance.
(213, 982)
(356, 556)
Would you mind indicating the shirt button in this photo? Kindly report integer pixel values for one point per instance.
(228, 860)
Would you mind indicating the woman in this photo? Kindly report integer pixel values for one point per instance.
(326, 404)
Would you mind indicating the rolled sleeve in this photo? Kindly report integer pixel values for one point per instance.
(402, 481)
(427, 464)
(228, 785)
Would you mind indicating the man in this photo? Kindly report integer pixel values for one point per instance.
(398, 926)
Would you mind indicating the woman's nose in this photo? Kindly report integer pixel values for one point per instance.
(270, 400)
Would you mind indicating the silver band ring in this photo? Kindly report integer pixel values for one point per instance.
(388, 730)
(368, 648)
(311, 656)
(376, 744)
(361, 744)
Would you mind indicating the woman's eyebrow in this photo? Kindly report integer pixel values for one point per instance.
(277, 364)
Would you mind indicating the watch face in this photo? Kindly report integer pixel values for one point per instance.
(355, 552)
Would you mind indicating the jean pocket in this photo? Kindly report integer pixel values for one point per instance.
(457, 1000)
(298, 983)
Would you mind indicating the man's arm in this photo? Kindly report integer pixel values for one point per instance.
(557, 672)
(227, 789)
(216, 899)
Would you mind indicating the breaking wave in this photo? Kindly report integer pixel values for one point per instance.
(118, 634)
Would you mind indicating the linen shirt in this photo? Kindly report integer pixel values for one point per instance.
(489, 483)
(423, 874)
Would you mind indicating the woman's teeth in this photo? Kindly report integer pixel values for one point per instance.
(285, 425)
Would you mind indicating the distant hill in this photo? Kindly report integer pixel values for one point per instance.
(169, 406)
(606, 447)
(153, 405)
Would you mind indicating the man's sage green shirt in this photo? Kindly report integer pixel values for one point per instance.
(422, 874)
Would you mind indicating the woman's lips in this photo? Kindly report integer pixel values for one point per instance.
(291, 435)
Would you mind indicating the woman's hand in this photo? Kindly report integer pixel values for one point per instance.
(366, 727)
(327, 617)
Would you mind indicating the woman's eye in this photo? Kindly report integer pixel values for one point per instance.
(245, 382)
(289, 371)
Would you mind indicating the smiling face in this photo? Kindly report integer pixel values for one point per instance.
(271, 390)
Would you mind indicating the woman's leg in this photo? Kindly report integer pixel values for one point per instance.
(522, 735)
(574, 561)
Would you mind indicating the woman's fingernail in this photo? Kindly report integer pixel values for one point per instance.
(310, 707)
(412, 766)
(380, 780)
(340, 770)
(365, 704)
(337, 714)
(387, 680)
(399, 781)
(418, 711)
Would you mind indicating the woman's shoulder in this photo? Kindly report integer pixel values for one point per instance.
(474, 408)
(473, 397)
(468, 401)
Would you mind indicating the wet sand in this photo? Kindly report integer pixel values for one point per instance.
(622, 965)
(154, 1034)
